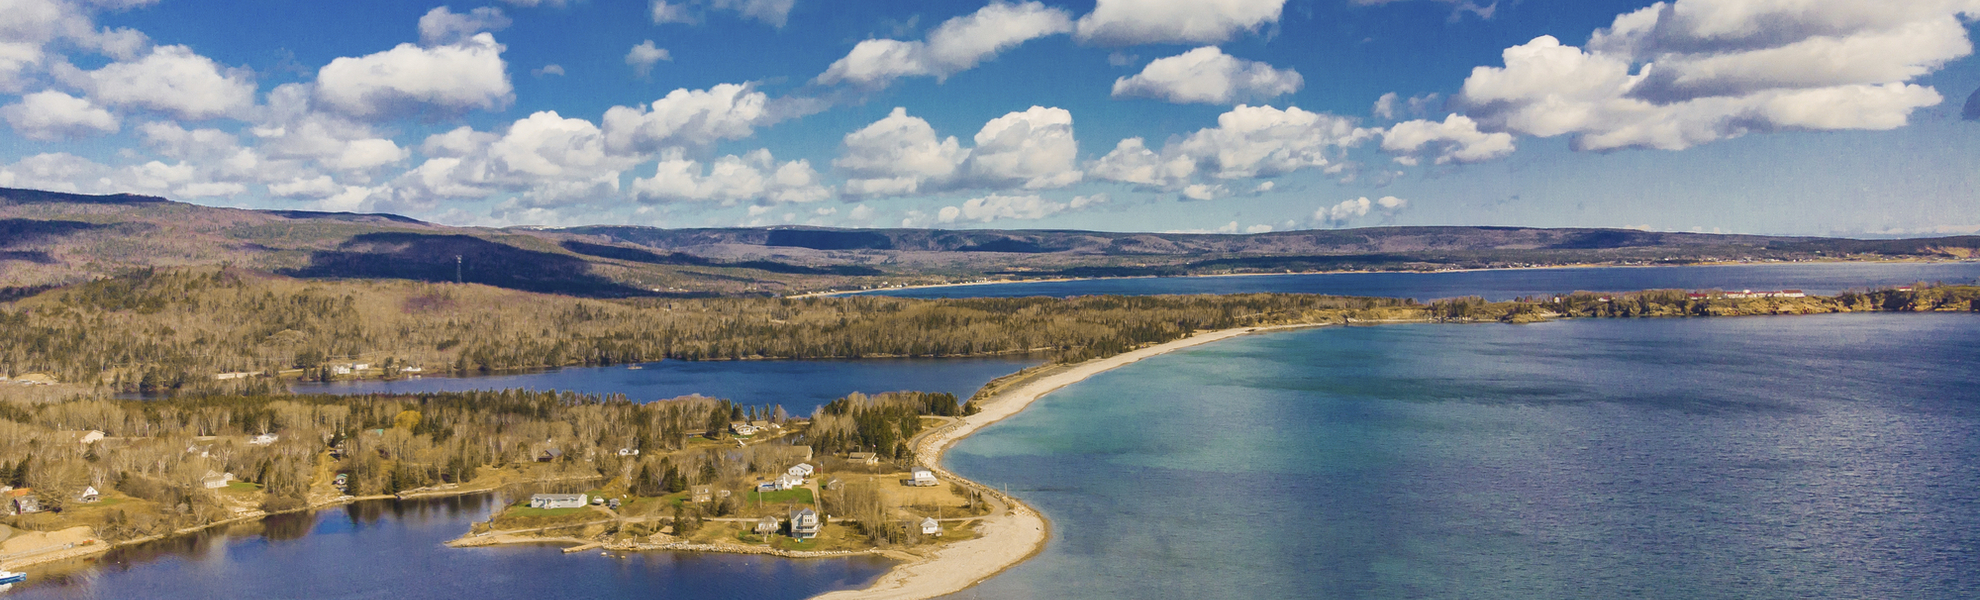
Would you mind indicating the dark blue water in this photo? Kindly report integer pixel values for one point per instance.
(1814, 278)
(392, 549)
(1767, 457)
(799, 385)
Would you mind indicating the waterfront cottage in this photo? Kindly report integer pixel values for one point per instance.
(802, 470)
(804, 524)
(88, 495)
(216, 479)
(930, 527)
(701, 493)
(923, 477)
(22, 501)
(552, 501)
(864, 458)
(741, 428)
(788, 481)
(767, 525)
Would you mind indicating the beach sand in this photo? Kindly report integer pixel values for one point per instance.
(1018, 532)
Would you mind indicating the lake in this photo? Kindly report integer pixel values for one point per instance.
(1764, 457)
(799, 385)
(1502, 284)
(392, 549)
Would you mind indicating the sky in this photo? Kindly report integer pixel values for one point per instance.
(1801, 117)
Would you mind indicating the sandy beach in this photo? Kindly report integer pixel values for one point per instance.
(1019, 532)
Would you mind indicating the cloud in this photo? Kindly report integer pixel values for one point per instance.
(1678, 74)
(1135, 22)
(1034, 148)
(1456, 139)
(1207, 76)
(535, 2)
(549, 159)
(551, 69)
(689, 118)
(447, 79)
(901, 154)
(1262, 141)
(1347, 211)
(173, 80)
(755, 177)
(774, 13)
(1392, 106)
(51, 115)
(643, 56)
(957, 45)
(995, 206)
(896, 155)
(1132, 162)
(441, 26)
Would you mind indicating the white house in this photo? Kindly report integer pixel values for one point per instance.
(788, 481)
(628, 452)
(804, 524)
(216, 479)
(558, 501)
(741, 428)
(768, 525)
(923, 477)
(864, 458)
(88, 495)
(263, 439)
(91, 437)
(930, 527)
(802, 470)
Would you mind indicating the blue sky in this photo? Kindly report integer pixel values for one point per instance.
(1817, 117)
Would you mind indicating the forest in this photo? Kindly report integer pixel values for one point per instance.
(163, 332)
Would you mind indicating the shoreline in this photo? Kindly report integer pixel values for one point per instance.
(1021, 532)
(881, 291)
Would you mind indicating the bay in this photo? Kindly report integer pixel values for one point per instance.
(1495, 285)
(392, 549)
(799, 385)
(1767, 457)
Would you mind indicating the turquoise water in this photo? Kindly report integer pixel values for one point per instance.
(1505, 284)
(1769, 457)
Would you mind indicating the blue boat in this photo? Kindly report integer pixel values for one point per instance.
(10, 577)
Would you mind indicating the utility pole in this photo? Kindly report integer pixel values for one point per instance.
(457, 268)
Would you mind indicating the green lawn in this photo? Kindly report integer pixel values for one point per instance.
(241, 487)
(799, 495)
(527, 512)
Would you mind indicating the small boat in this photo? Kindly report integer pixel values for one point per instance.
(10, 577)
(634, 368)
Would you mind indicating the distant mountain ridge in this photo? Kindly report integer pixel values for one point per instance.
(54, 238)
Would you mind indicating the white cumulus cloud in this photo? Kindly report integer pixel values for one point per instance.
(996, 206)
(956, 45)
(52, 115)
(1248, 142)
(643, 56)
(1207, 75)
(774, 13)
(1455, 139)
(755, 178)
(691, 118)
(176, 81)
(1133, 22)
(902, 154)
(1347, 211)
(452, 78)
(442, 26)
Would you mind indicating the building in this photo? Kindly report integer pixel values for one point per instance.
(801, 452)
(263, 439)
(548, 501)
(22, 501)
(91, 437)
(804, 524)
(930, 527)
(864, 458)
(628, 452)
(216, 479)
(741, 428)
(768, 525)
(923, 477)
(88, 495)
(788, 481)
(802, 470)
(701, 493)
(550, 455)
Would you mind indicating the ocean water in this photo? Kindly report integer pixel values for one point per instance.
(392, 550)
(1766, 457)
(799, 385)
(1814, 278)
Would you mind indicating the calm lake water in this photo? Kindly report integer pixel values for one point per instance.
(1765, 457)
(1814, 278)
(799, 385)
(392, 549)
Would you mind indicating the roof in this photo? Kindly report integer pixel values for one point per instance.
(557, 497)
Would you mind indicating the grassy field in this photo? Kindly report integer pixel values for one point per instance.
(799, 495)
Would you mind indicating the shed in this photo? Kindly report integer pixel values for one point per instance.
(548, 501)
(22, 501)
(88, 495)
